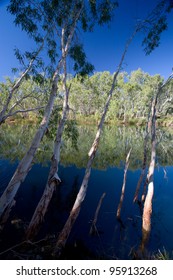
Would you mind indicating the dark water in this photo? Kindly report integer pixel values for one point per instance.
(113, 240)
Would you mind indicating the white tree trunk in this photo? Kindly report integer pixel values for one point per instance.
(26, 163)
(64, 234)
(135, 199)
(147, 211)
(53, 178)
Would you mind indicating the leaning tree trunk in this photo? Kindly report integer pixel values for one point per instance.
(53, 178)
(147, 211)
(93, 229)
(123, 186)
(64, 234)
(26, 163)
(143, 171)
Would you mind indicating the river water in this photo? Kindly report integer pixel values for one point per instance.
(112, 239)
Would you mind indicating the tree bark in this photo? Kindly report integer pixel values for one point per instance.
(147, 211)
(53, 178)
(144, 158)
(64, 234)
(26, 163)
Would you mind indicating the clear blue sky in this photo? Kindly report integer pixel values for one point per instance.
(103, 47)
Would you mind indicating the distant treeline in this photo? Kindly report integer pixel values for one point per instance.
(130, 103)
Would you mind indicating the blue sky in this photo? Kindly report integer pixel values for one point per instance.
(103, 47)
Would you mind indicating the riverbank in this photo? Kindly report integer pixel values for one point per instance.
(166, 121)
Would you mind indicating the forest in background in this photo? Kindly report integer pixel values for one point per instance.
(130, 102)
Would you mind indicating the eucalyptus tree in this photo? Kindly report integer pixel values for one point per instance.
(156, 23)
(83, 67)
(28, 61)
(30, 97)
(130, 100)
(56, 20)
(147, 211)
(88, 94)
(64, 234)
(165, 102)
(141, 87)
(53, 178)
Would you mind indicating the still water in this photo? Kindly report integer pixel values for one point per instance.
(112, 240)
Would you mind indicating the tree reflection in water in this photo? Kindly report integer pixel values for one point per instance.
(111, 241)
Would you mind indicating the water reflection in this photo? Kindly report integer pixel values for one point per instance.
(114, 146)
(112, 240)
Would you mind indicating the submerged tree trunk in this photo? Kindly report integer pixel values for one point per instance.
(26, 163)
(123, 186)
(53, 178)
(144, 157)
(64, 234)
(147, 211)
(5, 217)
(93, 229)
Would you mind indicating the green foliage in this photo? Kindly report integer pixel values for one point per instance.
(53, 123)
(45, 18)
(162, 255)
(105, 7)
(81, 66)
(32, 93)
(131, 98)
(130, 102)
(71, 133)
(152, 40)
(156, 24)
(88, 94)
